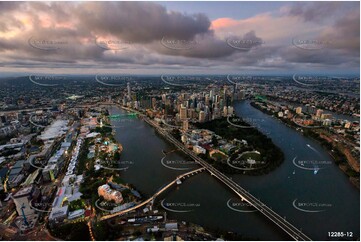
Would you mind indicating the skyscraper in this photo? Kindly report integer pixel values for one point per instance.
(225, 111)
(129, 92)
(319, 112)
(183, 113)
(202, 116)
(185, 125)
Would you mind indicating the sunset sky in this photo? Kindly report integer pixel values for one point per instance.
(179, 37)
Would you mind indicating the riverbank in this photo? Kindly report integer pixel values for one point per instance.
(210, 225)
(278, 188)
(98, 162)
(315, 134)
(271, 158)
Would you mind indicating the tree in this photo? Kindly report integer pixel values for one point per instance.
(116, 156)
(214, 141)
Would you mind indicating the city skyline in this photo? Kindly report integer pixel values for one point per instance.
(179, 121)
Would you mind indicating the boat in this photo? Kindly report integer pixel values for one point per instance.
(315, 171)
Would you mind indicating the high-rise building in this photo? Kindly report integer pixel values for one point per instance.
(347, 125)
(319, 113)
(222, 103)
(207, 100)
(230, 110)
(191, 113)
(185, 125)
(299, 110)
(202, 116)
(129, 91)
(194, 102)
(326, 116)
(216, 113)
(211, 94)
(183, 113)
(224, 94)
(199, 106)
(225, 111)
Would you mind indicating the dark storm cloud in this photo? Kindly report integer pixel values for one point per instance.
(345, 33)
(146, 24)
(8, 45)
(210, 46)
(9, 6)
(7, 22)
(324, 56)
(59, 11)
(320, 11)
(140, 21)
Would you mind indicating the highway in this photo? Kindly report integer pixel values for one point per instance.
(281, 222)
(286, 226)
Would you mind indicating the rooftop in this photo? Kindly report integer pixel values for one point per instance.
(23, 192)
(55, 130)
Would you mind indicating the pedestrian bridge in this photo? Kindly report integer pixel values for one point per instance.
(116, 116)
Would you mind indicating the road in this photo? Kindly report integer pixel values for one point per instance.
(281, 222)
(286, 226)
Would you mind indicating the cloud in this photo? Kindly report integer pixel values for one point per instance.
(65, 35)
(345, 33)
(313, 12)
(139, 21)
(211, 46)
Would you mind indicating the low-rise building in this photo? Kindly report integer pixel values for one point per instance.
(109, 194)
(22, 200)
(76, 214)
(199, 150)
(58, 214)
(50, 172)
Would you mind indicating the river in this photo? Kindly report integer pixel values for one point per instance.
(318, 202)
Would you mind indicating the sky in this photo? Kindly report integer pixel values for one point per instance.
(180, 38)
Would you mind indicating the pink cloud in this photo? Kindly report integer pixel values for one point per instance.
(269, 28)
(223, 23)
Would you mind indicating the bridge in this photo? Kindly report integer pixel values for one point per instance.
(281, 222)
(160, 191)
(115, 116)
